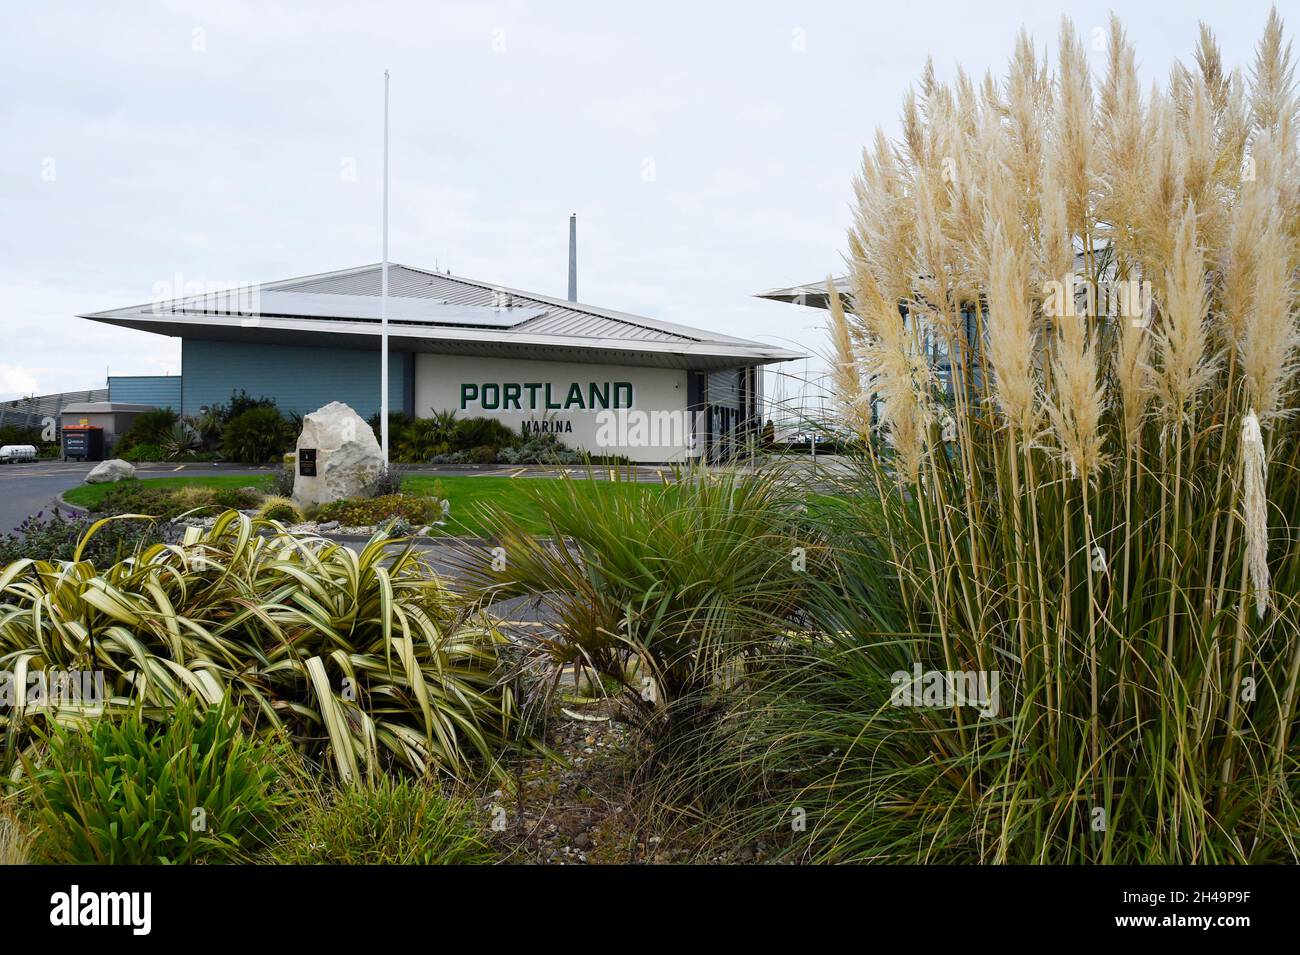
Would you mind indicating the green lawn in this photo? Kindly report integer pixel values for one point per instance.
(516, 496)
(468, 495)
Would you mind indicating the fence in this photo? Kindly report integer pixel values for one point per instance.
(31, 412)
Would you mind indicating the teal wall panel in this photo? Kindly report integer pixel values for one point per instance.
(299, 378)
(161, 391)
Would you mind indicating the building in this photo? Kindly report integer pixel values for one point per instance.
(111, 417)
(39, 411)
(605, 381)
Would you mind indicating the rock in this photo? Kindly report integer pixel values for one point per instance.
(328, 526)
(582, 841)
(114, 469)
(257, 491)
(348, 458)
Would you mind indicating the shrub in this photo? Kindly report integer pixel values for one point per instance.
(282, 509)
(541, 448)
(453, 457)
(257, 435)
(239, 404)
(690, 577)
(130, 791)
(56, 537)
(191, 496)
(149, 427)
(359, 655)
(416, 510)
(182, 441)
(136, 497)
(140, 452)
(405, 822)
(421, 438)
(387, 482)
(209, 426)
(139, 497)
(237, 498)
(481, 432)
(483, 454)
(17, 434)
(396, 527)
(398, 422)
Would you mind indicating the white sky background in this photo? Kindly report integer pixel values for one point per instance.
(226, 163)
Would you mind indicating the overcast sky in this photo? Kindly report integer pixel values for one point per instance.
(707, 148)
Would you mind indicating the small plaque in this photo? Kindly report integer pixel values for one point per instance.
(307, 462)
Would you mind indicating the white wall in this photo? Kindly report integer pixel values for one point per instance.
(440, 380)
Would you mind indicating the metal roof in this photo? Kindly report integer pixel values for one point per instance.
(813, 295)
(105, 407)
(438, 312)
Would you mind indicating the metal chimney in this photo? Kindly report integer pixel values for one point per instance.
(573, 257)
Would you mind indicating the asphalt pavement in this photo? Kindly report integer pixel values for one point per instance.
(27, 489)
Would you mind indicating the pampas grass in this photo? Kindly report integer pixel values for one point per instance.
(1114, 524)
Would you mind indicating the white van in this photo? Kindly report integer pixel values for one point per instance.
(13, 453)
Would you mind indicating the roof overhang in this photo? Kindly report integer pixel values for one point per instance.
(105, 407)
(463, 340)
(812, 295)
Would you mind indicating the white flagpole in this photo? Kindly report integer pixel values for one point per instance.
(383, 301)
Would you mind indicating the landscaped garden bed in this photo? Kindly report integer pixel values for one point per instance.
(418, 506)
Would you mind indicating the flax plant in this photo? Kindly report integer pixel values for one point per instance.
(361, 658)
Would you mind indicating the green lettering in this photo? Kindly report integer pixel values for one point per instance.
(468, 393)
(510, 392)
(619, 388)
(574, 397)
(491, 404)
(595, 394)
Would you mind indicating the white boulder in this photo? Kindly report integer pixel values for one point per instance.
(114, 469)
(348, 458)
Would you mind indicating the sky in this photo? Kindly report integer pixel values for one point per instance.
(707, 149)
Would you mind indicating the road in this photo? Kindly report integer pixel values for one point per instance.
(27, 489)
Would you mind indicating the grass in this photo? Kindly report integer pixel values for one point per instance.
(469, 496)
(519, 497)
(388, 822)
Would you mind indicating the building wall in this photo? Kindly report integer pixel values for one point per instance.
(299, 378)
(161, 391)
(445, 382)
(114, 423)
